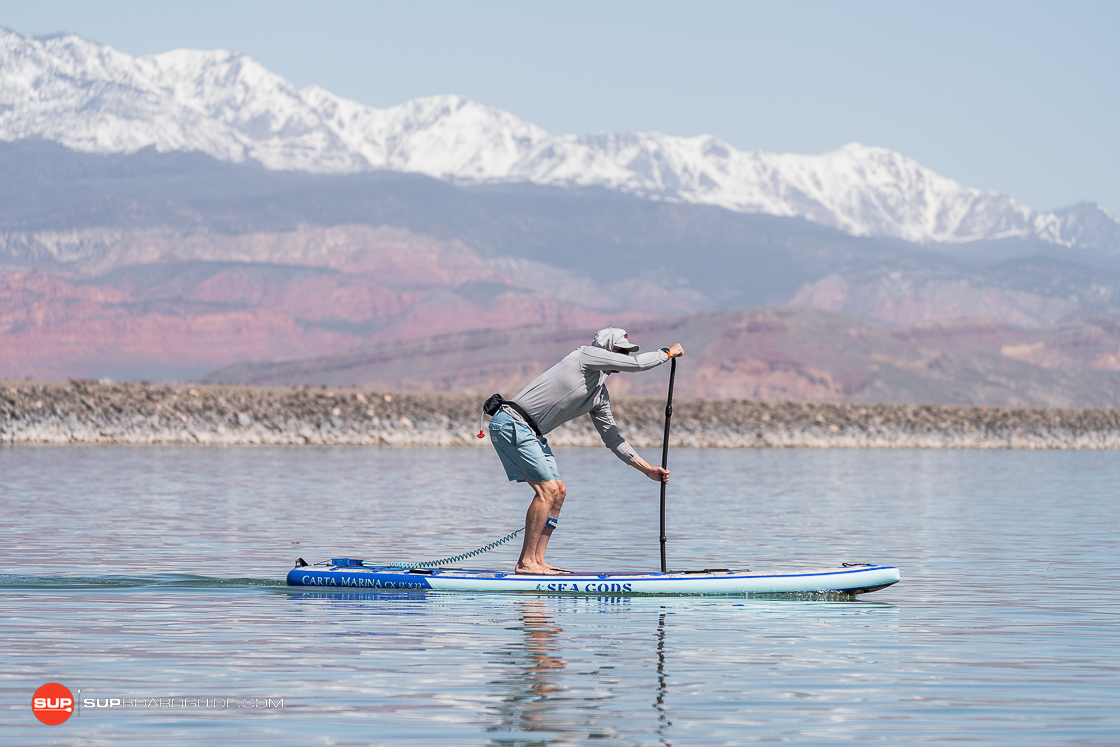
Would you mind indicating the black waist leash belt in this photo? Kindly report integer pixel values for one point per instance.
(495, 403)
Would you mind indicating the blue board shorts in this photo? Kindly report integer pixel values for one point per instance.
(524, 454)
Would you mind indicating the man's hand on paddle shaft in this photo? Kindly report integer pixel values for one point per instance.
(657, 474)
(676, 351)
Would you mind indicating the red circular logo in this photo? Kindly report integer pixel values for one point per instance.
(52, 704)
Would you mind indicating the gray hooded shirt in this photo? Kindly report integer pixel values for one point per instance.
(577, 385)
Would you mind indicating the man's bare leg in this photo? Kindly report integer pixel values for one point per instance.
(548, 498)
(546, 533)
(542, 545)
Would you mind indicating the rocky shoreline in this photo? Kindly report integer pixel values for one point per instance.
(87, 412)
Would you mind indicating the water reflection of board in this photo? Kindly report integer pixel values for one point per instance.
(348, 574)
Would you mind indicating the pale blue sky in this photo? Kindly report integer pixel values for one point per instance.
(1022, 97)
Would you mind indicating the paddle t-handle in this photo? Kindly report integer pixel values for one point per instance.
(665, 453)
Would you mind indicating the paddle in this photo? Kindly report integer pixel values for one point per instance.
(665, 454)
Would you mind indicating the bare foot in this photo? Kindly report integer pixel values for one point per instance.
(551, 567)
(537, 569)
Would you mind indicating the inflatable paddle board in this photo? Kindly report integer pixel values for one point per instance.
(349, 574)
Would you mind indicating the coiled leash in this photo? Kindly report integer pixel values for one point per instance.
(550, 521)
(464, 556)
(301, 563)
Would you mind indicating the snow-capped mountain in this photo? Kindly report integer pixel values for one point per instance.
(90, 97)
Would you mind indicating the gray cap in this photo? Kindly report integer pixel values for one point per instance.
(612, 338)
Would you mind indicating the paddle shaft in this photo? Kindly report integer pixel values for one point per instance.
(665, 453)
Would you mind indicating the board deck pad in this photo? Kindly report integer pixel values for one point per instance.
(350, 575)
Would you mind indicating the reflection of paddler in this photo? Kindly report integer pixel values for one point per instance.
(528, 706)
(540, 641)
(573, 387)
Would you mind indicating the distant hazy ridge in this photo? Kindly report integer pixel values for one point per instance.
(93, 98)
(88, 412)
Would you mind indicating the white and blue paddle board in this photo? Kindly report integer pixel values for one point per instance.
(349, 574)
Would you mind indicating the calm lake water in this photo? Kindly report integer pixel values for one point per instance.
(152, 573)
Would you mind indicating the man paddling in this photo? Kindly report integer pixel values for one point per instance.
(573, 387)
